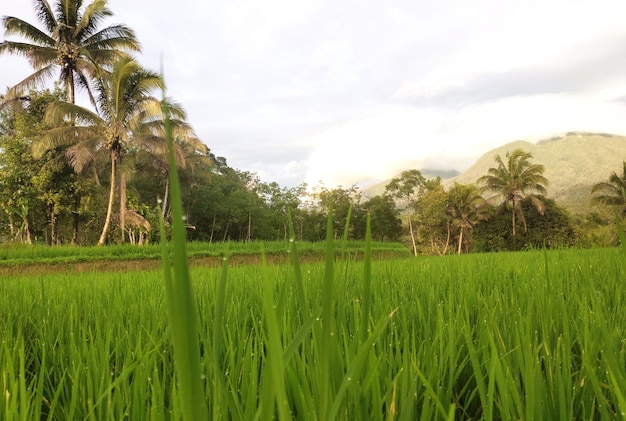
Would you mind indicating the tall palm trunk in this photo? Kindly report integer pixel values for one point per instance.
(107, 221)
(460, 240)
(513, 215)
(122, 204)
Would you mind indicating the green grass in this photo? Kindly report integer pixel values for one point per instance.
(22, 254)
(536, 335)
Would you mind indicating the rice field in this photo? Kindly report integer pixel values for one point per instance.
(534, 335)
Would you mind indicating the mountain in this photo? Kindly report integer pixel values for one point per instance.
(574, 163)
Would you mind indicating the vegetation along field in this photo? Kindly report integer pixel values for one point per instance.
(535, 335)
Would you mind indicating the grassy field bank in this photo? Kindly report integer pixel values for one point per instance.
(35, 259)
(535, 335)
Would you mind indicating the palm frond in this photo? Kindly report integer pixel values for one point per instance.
(45, 14)
(81, 156)
(60, 137)
(93, 15)
(59, 112)
(16, 26)
(115, 37)
(30, 82)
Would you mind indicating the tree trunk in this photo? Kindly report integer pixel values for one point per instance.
(412, 237)
(107, 221)
(167, 191)
(513, 216)
(54, 238)
(445, 249)
(11, 226)
(26, 231)
(75, 224)
(213, 227)
(249, 234)
(226, 229)
(122, 190)
(75, 220)
(460, 240)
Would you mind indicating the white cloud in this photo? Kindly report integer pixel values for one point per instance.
(355, 90)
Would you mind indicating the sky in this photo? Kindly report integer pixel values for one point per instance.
(340, 92)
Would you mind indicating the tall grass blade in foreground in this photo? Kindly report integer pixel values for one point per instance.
(367, 279)
(293, 256)
(182, 309)
(325, 343)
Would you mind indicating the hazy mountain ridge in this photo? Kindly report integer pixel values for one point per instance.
(573, 163)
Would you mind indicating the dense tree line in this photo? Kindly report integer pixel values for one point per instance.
(99, 174)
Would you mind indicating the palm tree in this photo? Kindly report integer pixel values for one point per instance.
(464, 208)
(188, 152)
(70, 44)
(129, 117)
(613, 192)
(512, 181)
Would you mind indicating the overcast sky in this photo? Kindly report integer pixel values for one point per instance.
(347, 91)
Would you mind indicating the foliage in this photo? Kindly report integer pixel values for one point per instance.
(465, 207)
(70, 43)
(612, 192)
(433, 221)
(384, 216)
(513, 181)
(407, 188)
(552, 229)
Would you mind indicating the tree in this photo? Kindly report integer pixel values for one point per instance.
(188, 153)
(552, 229)
(464, 208)
(513, 181)
(407, 188)
(612, 192)
(434, 221)
(129, 115)
(344, 201)
(70, 44)
(385, 221)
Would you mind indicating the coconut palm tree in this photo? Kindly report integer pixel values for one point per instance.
(129, 116)
(71, 44)
(612, 192)
(514, 180)
(189, 152)
(464, 208)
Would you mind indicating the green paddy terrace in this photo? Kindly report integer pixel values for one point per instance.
(533, 335)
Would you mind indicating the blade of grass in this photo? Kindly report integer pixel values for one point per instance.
(357, 366)
(295, 261)
(367, 279)
(275, 369)
(326, 340)
(183, 315)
